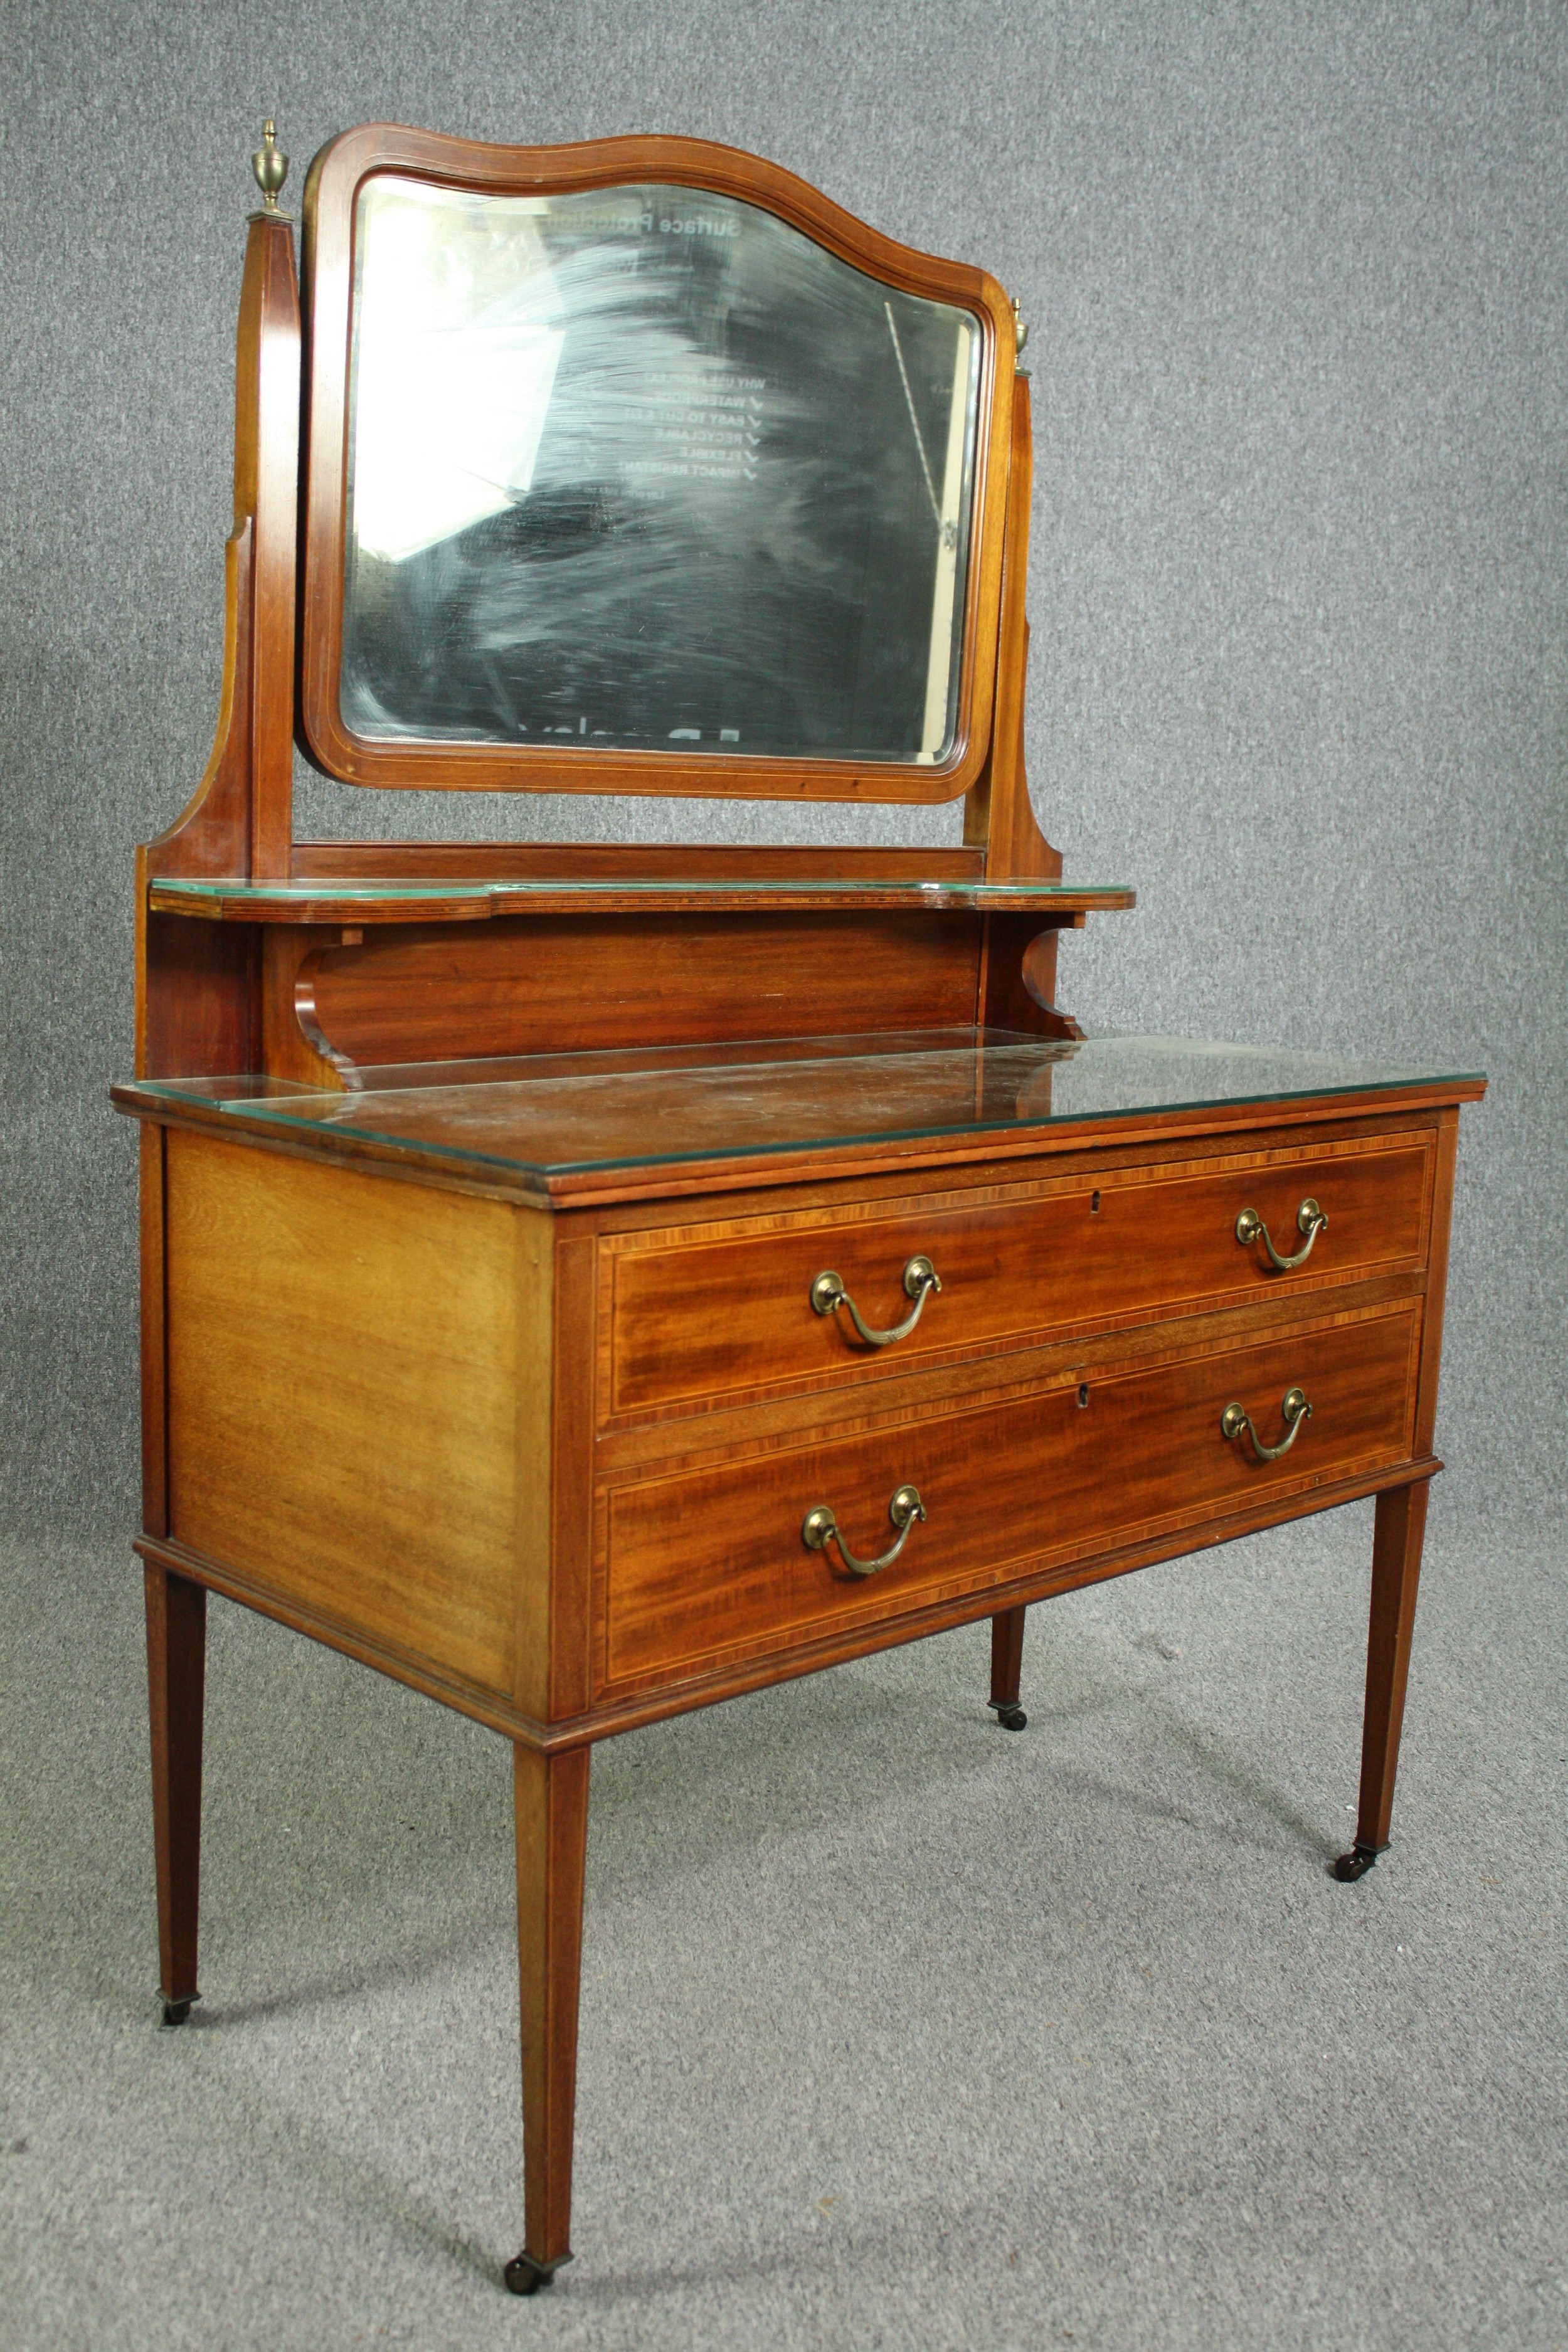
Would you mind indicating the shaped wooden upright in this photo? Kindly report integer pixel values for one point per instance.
(196, 1006)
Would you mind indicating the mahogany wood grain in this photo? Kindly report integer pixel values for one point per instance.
(335, 178)
(570, 1438)
(199, 998)
(239, 822)
(198, 1011)
(546, 1618)
(606, 1718)
(565, 983)
(627, 1188)
(266, 487)
(1398, 1534)
(1047, 902)
(1007, 1656)
(1398, 1528)
(551, 1810)
(704, 1568)
(612, 1715)
(1253, 1131)
(692, 1319)
(348, 1369)
(176, 1667)
(211, 836)
(998, 814)
(1018, 978)
(764, 1420)
(155, 1421)
(498, 1711)
(1251, 1136)
(593, 1186)
(611, 861)
(857, 1160)
(1437, 1277)
(1037, 971)
(292, 1045)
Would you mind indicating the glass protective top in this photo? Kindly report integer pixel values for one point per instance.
(646, 468)
(553, 1116)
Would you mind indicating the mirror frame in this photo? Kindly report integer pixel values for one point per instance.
(330, 201)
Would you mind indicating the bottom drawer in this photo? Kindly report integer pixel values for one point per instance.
(710, 1566)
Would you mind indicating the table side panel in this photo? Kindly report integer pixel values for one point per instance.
(1436, 1278)
(358, 1392)
(571, 1485)
(155, 1373)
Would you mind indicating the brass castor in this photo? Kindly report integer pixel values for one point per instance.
(1357, 1863)
(1011, 1719)
(176, 2011)
(524, 2275)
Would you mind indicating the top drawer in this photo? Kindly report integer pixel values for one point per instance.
(710, 1314)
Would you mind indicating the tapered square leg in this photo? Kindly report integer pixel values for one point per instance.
(176, 1674)
(1006, 1668)
(552, 1796)
(1397, 1532)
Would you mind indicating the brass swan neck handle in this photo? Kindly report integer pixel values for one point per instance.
(1296, 1410)
(1309, 1219)
(921, 1279)
(821, 1528)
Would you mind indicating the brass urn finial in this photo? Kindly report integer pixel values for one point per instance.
(270, 166)
(1020, 332)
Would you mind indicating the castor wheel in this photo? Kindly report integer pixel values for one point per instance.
(176, 2011)
(524, 2275)
(1357, 1863)
(1011, 1719)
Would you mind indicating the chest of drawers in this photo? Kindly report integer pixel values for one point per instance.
(1057, 1397)
(591, 1446)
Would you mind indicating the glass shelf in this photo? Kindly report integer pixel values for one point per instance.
(361, 900)
(553, 1117)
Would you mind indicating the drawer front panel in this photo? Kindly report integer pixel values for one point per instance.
(696, 1320)
(709, 1567)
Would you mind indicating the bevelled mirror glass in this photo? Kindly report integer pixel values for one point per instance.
(646, 468)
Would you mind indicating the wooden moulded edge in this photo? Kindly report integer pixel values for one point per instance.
(331, 191)
(251, 903)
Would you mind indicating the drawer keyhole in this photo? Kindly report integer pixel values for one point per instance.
(1083, 1394)
(1094, 1204)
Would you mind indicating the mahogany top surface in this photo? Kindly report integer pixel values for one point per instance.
(569, 1124)
(361, 899)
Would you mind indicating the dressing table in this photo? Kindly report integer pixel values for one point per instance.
(588, 1282)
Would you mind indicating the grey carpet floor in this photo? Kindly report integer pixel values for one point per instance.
(896, 2029)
